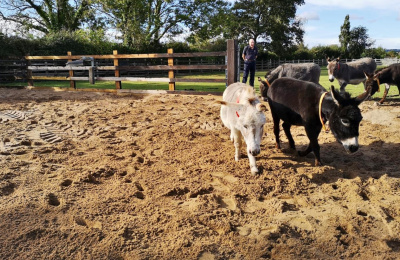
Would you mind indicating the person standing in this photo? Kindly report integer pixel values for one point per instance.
(249, 56)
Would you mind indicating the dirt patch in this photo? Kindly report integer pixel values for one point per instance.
(104, 176)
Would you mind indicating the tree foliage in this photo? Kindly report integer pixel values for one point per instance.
(376, 53)
(144, 22)
(322, 52)
(206, 21)
(47, 16)
(359, 42)
(81, 26)
(344, 37)
(271, 23)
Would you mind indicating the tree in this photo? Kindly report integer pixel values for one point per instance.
(377, 53)
(359, 42)
(391, 54)
(344, 37)
(46, 16)
(302, 53)
(207, 21)
(271, 23)
(322, 52)
(144, 22)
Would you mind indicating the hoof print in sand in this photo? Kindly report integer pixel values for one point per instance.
(53, 200)
(17, 115)
(50, 137)
(7, 188)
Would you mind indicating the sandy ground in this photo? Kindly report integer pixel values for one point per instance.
(88, 175)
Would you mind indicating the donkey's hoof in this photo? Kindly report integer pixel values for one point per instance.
(254, 170)
(318, 163)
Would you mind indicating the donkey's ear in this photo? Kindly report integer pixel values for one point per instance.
(328, 59)
(221, 102)
(335, 95)
(338, 59)
(261, 107)
(368, 75)
(228, 104)
(364, 95)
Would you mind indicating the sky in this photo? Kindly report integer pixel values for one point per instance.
(323, 18)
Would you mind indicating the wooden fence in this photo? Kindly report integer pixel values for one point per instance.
(10, 70)
(53, 67)
(76, 63)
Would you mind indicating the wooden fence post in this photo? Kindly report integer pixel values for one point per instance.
(72, 83)
(116, 64)
(232, 61)
(29, 72)
(91, 75)
(171, 74)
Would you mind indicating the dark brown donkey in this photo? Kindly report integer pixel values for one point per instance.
(388, 76)
(308, 104)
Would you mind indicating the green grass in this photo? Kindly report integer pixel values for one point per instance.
(204, 87)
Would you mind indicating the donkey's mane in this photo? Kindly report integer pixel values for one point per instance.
(380, 69)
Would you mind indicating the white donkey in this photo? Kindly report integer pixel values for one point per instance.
(242, 113)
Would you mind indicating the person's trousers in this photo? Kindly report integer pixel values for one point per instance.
(249, 67)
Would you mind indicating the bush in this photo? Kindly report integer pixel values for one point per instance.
(90, 42)
(14, 47)
(322, 52)
(376, 53)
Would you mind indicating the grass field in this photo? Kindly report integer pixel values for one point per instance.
(192, 86)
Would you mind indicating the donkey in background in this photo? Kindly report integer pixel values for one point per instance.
(350, 72)
(388, 76)
(303, 71)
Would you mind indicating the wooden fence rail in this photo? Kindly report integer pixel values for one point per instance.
(77, 63)
(116, 67)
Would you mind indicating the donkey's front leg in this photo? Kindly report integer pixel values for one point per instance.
(237, 141)
(387, 87)
(252, 161)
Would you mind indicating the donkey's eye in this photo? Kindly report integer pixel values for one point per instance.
(245, 126)
(345, 121)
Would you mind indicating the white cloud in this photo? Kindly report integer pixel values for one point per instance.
(357, 4)
(381, 18)
(308, 28)
(313, 41)
(308, 16)
(356, 17)
(7, 28)
(387, 43)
